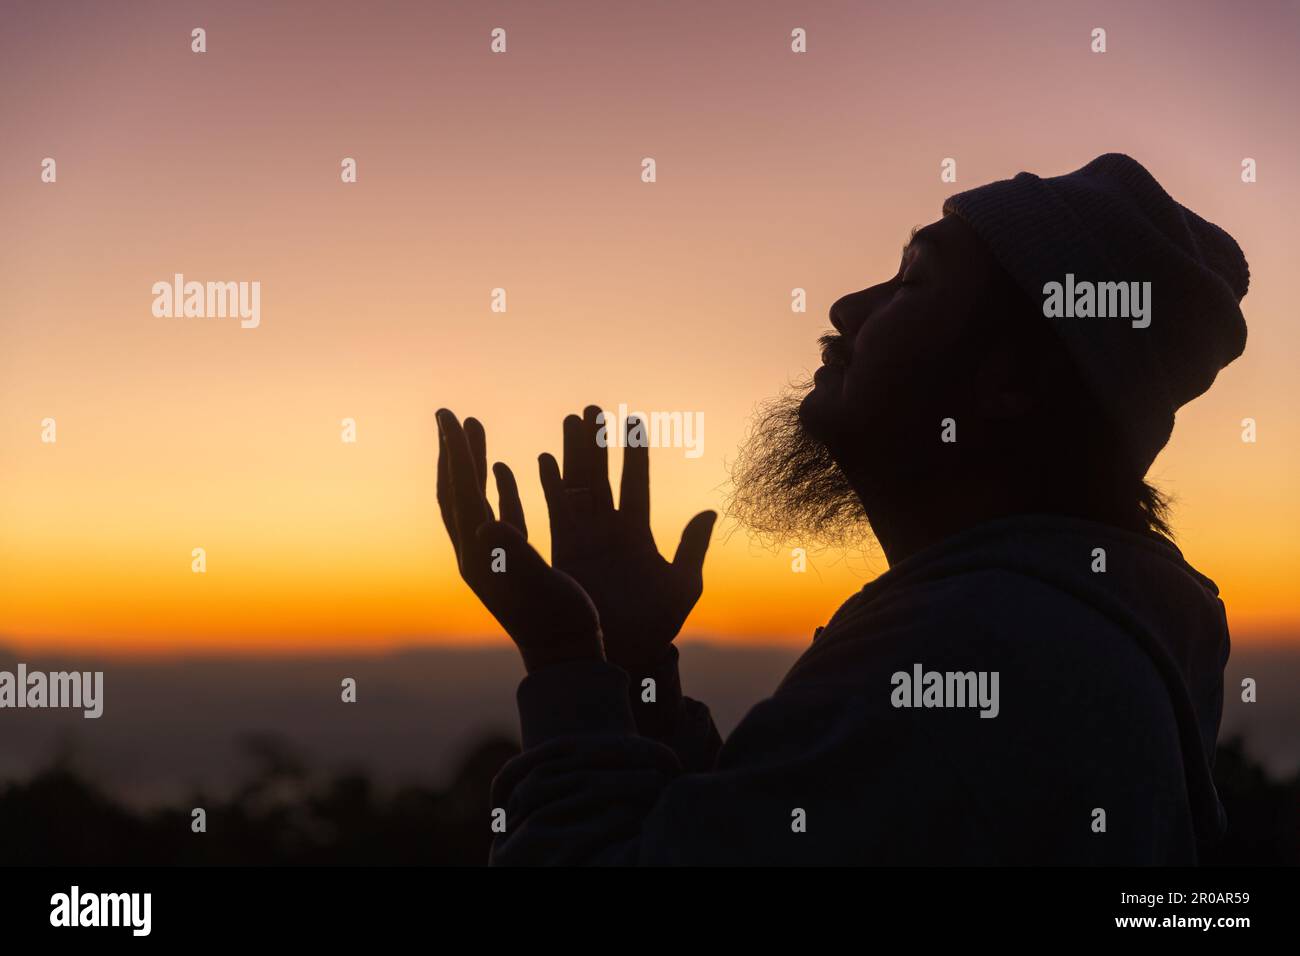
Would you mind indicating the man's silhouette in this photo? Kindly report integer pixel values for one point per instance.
(1037, 678)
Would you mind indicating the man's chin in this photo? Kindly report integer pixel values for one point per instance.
(815, 412)
(786, 484)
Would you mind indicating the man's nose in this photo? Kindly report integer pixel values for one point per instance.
(848, 312)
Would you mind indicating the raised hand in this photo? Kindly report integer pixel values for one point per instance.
(545, 612)
(643, 600)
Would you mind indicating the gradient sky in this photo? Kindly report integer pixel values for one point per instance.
(522, 171)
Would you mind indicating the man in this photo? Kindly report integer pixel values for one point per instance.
(1038, 676)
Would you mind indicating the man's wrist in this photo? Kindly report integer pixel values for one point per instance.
(553, 653)
(647, 664)
(579, 697)
(655, 692)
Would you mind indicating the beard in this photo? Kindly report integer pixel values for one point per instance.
(786, 487)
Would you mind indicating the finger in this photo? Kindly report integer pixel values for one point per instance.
(695, 543)
(469, 505)
(477, 439)
(596, 424)
(512, 509)
(446, 501)
(577, 469)
(634, 490)
(478, 450)
(557, 502)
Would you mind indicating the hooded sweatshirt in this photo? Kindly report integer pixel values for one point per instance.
(1035, 690)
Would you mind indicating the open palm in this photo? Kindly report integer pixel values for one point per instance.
(544, 610)
(643, 600)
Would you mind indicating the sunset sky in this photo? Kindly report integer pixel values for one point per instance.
(522, 171)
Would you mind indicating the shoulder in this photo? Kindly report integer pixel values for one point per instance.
(1046, 645)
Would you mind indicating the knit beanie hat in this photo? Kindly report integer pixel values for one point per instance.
(1144, 293)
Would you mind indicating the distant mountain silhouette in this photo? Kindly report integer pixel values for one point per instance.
(278, 816)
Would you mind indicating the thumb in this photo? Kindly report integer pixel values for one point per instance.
(695, 542)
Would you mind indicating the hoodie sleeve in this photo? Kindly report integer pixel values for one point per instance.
(681, 723)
